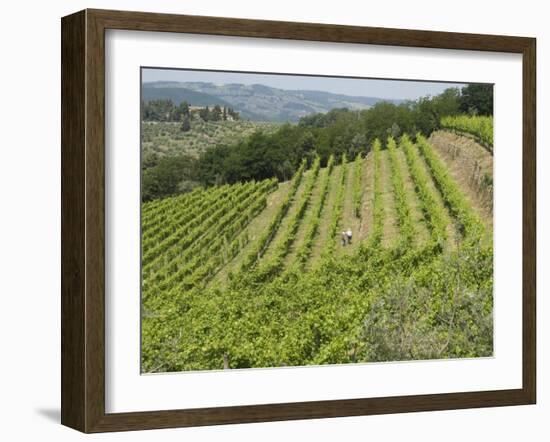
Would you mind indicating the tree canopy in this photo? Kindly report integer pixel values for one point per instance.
(477, 99)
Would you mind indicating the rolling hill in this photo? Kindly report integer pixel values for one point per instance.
(179, 94)
(256, 102)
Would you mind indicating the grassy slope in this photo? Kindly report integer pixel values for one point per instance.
(471, 166)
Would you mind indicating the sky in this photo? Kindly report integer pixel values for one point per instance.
(390, 89)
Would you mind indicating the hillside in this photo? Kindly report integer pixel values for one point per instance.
(257, 102)
(167, 138)
(179, 94)
(471, 166)
(255, 274)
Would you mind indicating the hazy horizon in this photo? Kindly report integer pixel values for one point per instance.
(364, 87)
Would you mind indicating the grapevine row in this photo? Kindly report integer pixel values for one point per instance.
(152, 208)
(433, 211)
(283, 246)
(480, 127)
(378, 207)
(162, 209)
(192, 217)
(209, 258)
(226, 227)
(401, 205)
(186, 235)
(303, 253)
(470, 224)
(264, 240)
(208, 268)
(357, 187)
(337, 207)
(184, 218)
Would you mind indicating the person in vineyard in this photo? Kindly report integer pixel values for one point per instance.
(349, 235)
(344, 238)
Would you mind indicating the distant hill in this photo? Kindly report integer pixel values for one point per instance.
(256, 102)
(179, 94)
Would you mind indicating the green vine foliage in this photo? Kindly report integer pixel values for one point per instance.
(480, 127)
(357, 186)
(305, 250)
(378, 208)
(470, 224)
(406, 301)
(433, 211)
(337, 208)
(401, 203)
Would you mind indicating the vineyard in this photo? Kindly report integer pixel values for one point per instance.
(255, 274)
(480, 127)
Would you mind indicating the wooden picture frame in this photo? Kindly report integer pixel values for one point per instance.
(83, 220)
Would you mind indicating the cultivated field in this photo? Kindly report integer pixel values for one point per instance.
(255, 274)
(167, 138)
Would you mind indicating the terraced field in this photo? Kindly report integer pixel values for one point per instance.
(255, 274)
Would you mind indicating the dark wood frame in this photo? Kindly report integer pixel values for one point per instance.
(83, 216)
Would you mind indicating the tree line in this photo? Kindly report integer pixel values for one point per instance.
(167, 111)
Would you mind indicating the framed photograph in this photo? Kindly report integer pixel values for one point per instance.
(267, 220)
